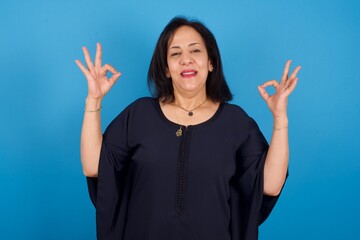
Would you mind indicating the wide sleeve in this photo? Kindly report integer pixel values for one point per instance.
(250, 207)
(108, 191)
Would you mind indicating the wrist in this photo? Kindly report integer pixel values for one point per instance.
(92, 105)
(281, 122)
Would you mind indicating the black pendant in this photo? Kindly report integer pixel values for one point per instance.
(190, 113)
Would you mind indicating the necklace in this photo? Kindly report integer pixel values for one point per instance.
(190, 112)
(179, 131)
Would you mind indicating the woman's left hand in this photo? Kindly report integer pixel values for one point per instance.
(278, 101)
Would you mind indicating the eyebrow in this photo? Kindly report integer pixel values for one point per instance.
(191, 44)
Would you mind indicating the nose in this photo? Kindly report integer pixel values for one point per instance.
(186, 58)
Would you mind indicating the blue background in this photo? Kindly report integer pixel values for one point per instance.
(43, 191)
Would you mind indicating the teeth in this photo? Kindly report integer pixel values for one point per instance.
(188, 73)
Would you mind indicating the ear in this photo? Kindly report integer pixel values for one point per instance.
(167, 73)
(211, 68)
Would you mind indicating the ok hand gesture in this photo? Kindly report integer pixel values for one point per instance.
(278, 101)
(98, 84)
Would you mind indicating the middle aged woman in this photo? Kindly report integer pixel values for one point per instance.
(185, 164)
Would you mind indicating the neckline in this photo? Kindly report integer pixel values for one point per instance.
(208, 121)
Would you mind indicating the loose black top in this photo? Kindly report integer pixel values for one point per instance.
(206, 184)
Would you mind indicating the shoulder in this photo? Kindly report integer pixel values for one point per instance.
(144, 108)
(139, 105)
(234, 111)
(238, 115)
(142, 102)
(138, 108)
(245, 126)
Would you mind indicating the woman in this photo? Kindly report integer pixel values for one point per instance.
(185, 164)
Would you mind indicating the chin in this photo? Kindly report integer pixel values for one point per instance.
(190, 88)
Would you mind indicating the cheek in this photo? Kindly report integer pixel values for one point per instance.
(205, 65)
(172, 67)
(204, 61)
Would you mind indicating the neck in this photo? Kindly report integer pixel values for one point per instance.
(189, 101)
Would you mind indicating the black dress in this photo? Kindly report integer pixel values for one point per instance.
(204, 185)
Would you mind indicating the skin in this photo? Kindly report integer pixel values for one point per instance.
(276, 163)
(98, 86)
(187, 52)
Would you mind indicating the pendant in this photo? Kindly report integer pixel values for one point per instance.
(190, 113)
(179, 132)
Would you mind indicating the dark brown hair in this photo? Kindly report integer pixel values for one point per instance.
(161, 87)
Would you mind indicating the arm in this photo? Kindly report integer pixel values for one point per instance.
(276, 163)
(91, 138)
(98, 87)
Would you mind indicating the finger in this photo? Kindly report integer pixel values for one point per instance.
(286, 71)
(84, 70)
(108, 67)
(295, 72)
(292, 86)
(114, 78)
(88, 59)
(82, 67)
(263, 93)
(98, 55)
(270, 83)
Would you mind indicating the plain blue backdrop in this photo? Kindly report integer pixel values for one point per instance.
(43, 194)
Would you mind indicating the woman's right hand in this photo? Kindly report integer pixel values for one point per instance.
(98, 84)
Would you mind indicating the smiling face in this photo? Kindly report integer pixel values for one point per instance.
(188, 61)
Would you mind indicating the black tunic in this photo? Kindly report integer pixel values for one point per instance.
(205, 185)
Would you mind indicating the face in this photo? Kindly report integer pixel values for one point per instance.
(188, 61)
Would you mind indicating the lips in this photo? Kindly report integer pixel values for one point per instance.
(188, 73)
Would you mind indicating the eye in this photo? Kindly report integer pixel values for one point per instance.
(196, 51)
(174, 54)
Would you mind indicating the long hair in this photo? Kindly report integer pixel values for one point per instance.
(161, 87)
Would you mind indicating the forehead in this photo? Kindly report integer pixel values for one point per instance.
(185, 35)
